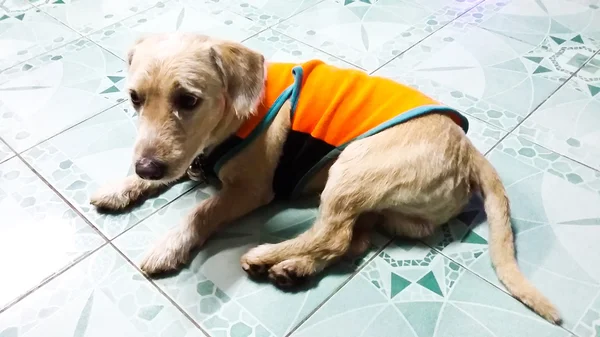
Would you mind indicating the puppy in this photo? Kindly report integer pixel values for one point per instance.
(376, 151)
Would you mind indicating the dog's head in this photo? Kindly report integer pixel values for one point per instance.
(190, 91)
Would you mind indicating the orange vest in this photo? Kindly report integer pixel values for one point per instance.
(331, 107)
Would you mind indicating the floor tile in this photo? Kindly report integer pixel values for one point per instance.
(410, 290)
(370, 33)
(277, 47)
(24, 35)
(5, 152)
(266, 12)
(177, 15)
(214, 289)
(93, 153)
(39, 233)
(16, 6)
(568, 122)
(101, 296)
(556, 221)
(536, 21)
(86, 16)
(483, 135)
(501, 83)
(69, 84)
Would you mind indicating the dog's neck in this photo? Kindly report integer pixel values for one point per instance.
(227, 128)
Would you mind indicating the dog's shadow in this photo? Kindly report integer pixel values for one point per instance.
(285, 220)
(274, 223)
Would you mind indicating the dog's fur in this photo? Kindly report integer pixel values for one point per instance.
(411, 178)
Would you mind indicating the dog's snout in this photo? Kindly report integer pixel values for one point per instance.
(150, 169)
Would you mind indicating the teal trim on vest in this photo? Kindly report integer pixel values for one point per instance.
(416, 112)
(292, 93)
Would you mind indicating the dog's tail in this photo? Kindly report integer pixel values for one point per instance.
(501, 244)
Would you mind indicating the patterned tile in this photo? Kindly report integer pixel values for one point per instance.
(215, 291)
(277, 47)
(568, 122)
(69, 84)
(62, 109)
(501, 83)
(93, 153)
(5, 152)
(39, 233)
(556, 220)
(86, 16)
(483, 135)
(178, 15)
(410, 290)
(369, 33)
(537, 21)
(101, 296)
(27, 34)
(266, 12)
(16, 6)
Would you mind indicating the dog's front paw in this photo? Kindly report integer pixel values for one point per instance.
(113, 197)
(123, 194)
(170, 253)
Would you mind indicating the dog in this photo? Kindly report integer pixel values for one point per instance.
(275, 129)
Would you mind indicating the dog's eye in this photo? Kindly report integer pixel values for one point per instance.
(187, 101)
(135, 98)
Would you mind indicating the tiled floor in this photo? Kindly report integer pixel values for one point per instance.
(526, 73)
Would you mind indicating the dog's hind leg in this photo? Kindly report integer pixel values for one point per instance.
(401, 170)
(344, 201)
(398, 224)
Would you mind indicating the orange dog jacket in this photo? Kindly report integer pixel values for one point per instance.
(330, 108)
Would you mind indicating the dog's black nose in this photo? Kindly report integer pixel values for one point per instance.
(150, 169)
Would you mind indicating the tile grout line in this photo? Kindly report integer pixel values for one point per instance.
(76, 261)
(338, 288)
(467, 269)
(546, 148)
(72, 207)
(83, 257)
(511, 132)
(51, 278)
(10, 149)
(109, 242)
(184, 193)
(277, 23)
(569, 78)
(587, 309)
(36, 8)
(151, 281)
(322, 51)
(121, 57)
(66, 129)
(426, 37)
(81, 36)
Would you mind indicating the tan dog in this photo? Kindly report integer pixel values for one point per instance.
(192, 92)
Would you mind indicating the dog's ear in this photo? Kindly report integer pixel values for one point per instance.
(242, 72)
(131, 50)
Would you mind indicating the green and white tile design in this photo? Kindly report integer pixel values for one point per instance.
(557, 223)
(103, 295)
(411, 290)
(525, 72)
(5, 152)
(71, 162)
(37, 229)
(568, 122)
